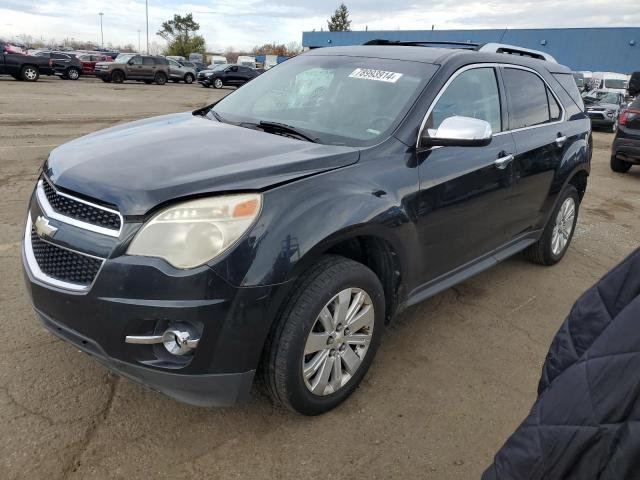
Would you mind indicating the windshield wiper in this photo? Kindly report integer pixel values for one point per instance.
(283, 127)
(216, 115)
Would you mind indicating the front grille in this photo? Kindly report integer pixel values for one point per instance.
(62, 264)
(79, 210)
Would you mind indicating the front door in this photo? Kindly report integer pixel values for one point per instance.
(464, 190)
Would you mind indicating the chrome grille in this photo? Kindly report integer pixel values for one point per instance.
(80, 210)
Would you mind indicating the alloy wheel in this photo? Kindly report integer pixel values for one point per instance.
(73, 74)
(564, 226)
(338, 341)
(217, 83)
(30, 73)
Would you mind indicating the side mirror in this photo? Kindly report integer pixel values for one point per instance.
(458, 131)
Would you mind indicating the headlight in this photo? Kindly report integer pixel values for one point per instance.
(192, 233)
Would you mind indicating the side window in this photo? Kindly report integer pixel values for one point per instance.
(173, 64)
(554, 109)
(527, 97)
(148, 61)
(136, 61)
(473, 93)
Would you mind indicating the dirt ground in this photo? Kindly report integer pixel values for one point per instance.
(453, 378)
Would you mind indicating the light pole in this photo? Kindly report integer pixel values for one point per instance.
(146, 9)
(139, 41)
(101, 32)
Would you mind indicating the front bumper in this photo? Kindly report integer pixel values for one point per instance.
(141, 296)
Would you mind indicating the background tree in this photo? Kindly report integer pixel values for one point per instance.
(181, 36)
(339, 21)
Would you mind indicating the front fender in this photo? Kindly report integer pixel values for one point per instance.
(302, 220)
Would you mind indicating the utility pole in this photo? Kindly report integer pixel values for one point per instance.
(101, 32)
(139, 41)
(146, 8)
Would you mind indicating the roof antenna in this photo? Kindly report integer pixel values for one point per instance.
(502, 36)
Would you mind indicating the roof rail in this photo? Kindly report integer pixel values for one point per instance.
(380, 41)
(514, 50)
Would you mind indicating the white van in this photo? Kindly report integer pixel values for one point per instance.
(215, 60)
(613, 82)
(247, 61)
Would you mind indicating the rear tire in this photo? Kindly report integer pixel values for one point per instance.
(188, 79)
(619, 166)
(29, 73)
(73, 74)
(327, 286)
(558, 232)
(160, 78)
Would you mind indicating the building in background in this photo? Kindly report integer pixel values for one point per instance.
(592, 49)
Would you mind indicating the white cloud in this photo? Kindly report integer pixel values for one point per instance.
(245, 23)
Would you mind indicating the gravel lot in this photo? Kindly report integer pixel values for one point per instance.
(453, 378)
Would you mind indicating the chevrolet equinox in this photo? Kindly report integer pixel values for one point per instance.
(278, 231)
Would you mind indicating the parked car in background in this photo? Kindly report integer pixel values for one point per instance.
(281, 229)
(227, 76)
(25, 67)
(614, 82)
(603, 108)
(625, 151)
(181, 71)
(89, 61)
(132, 66)
(66, 65)
(634, 85)
(199, 66)
(579, 78)
(7, 47)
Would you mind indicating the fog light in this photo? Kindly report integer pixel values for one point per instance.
(177, 340)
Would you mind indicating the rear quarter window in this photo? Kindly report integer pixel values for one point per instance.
(567, 82)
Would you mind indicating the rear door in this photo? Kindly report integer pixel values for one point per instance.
(148, 69)
(464, 191)
(541, 137)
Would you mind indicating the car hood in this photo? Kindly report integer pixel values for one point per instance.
(139, 165)
(601, 106)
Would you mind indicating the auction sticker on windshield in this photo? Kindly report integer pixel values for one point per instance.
(379, 75)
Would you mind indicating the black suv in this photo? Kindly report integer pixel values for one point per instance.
(65, 64)
(227, 75)
(625, 151)
(281, 229)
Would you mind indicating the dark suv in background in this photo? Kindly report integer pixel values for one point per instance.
(227, 75)
(280, 230)
(625, 151)
(131, 66)
(65, 64)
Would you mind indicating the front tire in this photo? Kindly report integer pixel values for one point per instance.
(619, 166)
(117, 77)
(558, 233)
(325, 339)
(188, 79)
(160, 78)
(217, 83)
(29, 73)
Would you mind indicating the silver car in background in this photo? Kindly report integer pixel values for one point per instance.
(181, 71)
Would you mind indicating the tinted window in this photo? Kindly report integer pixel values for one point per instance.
(567, 83)
(527, 96)
(136, 61)
(473, 93)
(59, 55)
(148, 61)
(174, 64)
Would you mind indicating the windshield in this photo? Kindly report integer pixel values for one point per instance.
(615, 83)
(354, 101)
(602, 97)
(124, 58)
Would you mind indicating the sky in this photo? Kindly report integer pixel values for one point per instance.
(242, 24)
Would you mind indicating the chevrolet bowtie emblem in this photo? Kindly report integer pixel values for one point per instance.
(43, 228)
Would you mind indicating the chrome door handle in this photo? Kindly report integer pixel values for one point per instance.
(502, 162)
(561, 140)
